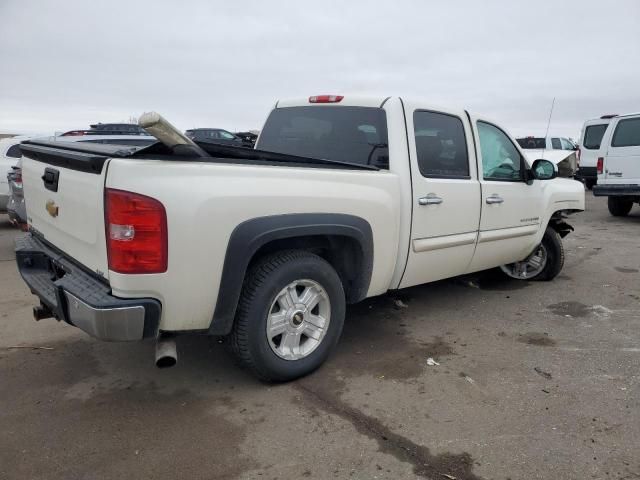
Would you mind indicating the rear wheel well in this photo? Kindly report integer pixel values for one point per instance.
(343, 253)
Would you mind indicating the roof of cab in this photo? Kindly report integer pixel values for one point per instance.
(346, 101)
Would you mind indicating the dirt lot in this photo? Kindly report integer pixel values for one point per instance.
(536, 380)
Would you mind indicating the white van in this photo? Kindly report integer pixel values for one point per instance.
(590, 138)
(618, 164)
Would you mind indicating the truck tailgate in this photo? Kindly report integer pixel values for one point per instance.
(69, 215)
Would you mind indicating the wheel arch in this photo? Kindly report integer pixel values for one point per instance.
(345, 241)
(558, 223)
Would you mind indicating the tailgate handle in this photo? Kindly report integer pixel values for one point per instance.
(50, 179)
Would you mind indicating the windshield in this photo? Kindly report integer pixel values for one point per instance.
(346, 134)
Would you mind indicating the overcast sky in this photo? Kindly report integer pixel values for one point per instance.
(223, 64)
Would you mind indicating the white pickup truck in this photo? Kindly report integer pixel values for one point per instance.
(344, 198)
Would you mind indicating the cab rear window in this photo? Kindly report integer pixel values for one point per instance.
(593, 136)
(346, 134)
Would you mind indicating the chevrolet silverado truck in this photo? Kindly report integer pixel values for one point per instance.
(343, 198)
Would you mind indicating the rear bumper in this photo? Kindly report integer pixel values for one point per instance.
(614, 190)
(82, 299)
(587, 173)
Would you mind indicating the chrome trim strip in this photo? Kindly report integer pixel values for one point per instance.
(447, 241)
(505, 233)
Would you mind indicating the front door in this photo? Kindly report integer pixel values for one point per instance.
(511, 207)
(446, 195)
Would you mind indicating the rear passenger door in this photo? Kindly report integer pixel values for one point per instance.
(622, 163)
(446, 194)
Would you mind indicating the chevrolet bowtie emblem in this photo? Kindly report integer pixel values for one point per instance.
(52, 208)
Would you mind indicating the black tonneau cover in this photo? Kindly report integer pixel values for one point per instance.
(91, 157)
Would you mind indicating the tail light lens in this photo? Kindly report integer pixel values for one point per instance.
(578, 153)
(600, 166)
(136, 230)
(326, 98)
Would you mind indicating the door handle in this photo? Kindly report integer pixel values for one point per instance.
(430, 199)
(495, 198)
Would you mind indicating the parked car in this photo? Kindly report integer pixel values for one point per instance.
(590, 138)
(9, 155)
(249, 138)
(16, 208)
(344, 198)
(108, 129)
(217, 135)
(560, 150)
(547, 143)
(618, 164)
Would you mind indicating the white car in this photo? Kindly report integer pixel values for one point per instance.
(618, 164)
(559, 150)
(547, 143)
(590, 138)
(344, 198)
(9, 156)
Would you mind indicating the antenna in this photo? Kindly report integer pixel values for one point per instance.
(548, 124)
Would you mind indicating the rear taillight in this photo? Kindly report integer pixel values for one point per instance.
(136, 230)
(600, 165)
(326, 98)
(578, 153)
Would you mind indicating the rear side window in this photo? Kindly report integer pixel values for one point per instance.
(555, 144)
(345, 134)
(14, 151)
(627, 133)
(593, 136)
(441, 145)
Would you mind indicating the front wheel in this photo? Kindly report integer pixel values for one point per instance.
(289, 317)
(545, 263)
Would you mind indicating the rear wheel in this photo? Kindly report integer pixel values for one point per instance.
(290, 316)
(619, 206)
(545, 263)
(589, 184)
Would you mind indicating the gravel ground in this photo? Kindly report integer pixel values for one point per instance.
(535, 380)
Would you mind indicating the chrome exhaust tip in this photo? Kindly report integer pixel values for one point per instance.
(166, 352)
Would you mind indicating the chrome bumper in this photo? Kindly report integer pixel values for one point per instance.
(80, 298)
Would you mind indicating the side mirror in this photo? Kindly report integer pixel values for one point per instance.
(543, 170)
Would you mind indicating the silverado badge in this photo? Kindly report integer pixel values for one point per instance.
(52, 208)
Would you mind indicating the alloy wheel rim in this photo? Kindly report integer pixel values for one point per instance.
(529, 267)
(298, 319)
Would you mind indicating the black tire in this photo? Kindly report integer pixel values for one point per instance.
(589, 184)
(555, 255)
(248, 340)
(619, 206)
(552, 243)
